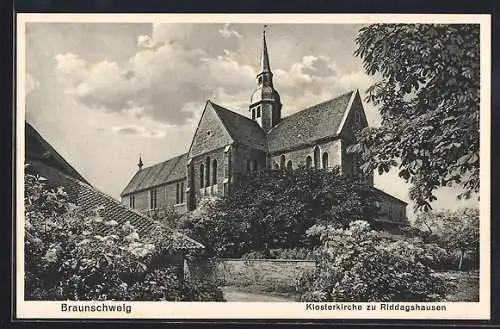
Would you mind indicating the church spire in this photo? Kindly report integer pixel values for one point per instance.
(140, 164)
(264, 61)
(265, 104)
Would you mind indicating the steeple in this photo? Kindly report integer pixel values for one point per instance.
(264, 59)
(265, 104)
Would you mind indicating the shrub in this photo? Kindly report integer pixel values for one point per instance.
(356, 264)
(273, 209)
(73, 254)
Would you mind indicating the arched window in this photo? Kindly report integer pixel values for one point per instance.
(258, 111)
(325, 160)
(207, 168)
(308, 162)
(289, 165)
(202, 175)
(282, 162)
(316, 157)
(214, 172)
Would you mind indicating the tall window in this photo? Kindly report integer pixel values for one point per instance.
(316, 157)
(258, 111)
(325, 160)
(179, 196)
(153, 198)
(282, 161)
(253, 113)
(308, 162)
(202, 175)
(131, 201)
(289, 165)
(207, 168)
(255, 165)
(214, 172)
(248, 166)
(182, 192)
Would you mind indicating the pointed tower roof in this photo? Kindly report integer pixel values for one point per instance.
(264, 61)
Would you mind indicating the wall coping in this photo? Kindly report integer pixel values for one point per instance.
(268, 260)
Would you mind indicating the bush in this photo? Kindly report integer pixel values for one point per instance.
(356, 264)
(73, 254)
(273, 209)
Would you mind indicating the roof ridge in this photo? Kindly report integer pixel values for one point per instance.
(118, 204)
(235, 113)
(309, 108)
(163, 162)
(52, 150)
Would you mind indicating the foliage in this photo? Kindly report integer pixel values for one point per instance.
(428, 97)
(357, 264)
(454, 231)
(74, 254)
(274, 209)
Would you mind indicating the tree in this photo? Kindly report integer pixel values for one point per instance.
(454, 231)
(274, 209)
(75, 254)
(428, 98)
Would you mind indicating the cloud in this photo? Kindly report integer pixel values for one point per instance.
(226, 32)
(169, 70)
(177, 67)
(314, 79)
(137, 131)
(31, 83)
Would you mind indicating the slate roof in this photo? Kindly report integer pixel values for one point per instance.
(309, 125)
(87, 197)
(306, 126)
(158, 174)
(243, 130)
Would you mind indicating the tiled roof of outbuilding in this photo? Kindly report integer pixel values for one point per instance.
(158, 174)
(87, 197)
(309, 125)
(243, 130)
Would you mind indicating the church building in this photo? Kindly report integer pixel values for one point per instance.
(227, 144)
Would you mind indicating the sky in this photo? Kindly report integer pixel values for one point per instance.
(104, 93)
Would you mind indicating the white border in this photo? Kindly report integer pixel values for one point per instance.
(254, 310)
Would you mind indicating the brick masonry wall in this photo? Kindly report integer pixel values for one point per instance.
(218, 155)
(298, 157)
(268, 274)
(240, 156)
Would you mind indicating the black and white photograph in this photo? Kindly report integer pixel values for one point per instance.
(256, 166)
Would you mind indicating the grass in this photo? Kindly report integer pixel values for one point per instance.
(464, 286)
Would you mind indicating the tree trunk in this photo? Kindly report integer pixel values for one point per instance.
(461, 260)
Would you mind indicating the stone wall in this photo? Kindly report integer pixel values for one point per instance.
(277, 275)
